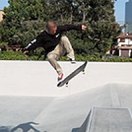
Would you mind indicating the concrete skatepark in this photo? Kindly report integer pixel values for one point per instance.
(98, 101)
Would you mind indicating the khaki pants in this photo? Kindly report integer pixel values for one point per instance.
(64, 47)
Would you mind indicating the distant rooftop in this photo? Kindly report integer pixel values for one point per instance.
(125, 35)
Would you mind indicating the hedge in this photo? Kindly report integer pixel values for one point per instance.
(11, 55)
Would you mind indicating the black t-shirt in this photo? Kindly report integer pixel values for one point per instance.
(48, 41)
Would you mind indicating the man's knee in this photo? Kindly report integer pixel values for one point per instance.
(50, 57)
(64, 39)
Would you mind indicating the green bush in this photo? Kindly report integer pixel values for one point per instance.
(97, 58)
(11, 55)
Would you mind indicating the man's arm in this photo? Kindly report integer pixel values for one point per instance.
(34, 44)
(65, 28)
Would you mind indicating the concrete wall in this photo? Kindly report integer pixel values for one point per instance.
(30, 78)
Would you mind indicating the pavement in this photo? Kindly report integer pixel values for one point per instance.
(99, 101)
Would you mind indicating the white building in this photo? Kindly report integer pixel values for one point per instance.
(125, 45)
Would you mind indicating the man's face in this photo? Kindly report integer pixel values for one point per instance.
(52, 28)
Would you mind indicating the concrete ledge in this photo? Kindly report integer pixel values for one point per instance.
(38, 78)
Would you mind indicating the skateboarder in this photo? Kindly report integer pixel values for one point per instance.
(55, 44)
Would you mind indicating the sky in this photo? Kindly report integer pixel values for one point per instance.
(119, 9)
(3, 3)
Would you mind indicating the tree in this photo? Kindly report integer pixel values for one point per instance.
(25, 19)
(97, 14)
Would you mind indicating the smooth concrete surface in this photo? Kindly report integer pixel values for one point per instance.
(110, 120)
(29, 94)
(68, 113)
(21, 78)
(15, 110)
(63, 114)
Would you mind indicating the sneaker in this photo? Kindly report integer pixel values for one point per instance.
(72, 61)
(60, 76)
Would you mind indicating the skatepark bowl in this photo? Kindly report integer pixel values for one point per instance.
(98, 101)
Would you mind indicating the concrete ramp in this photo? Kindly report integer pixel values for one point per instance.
(84, 126)
(29, 97)
(110, 120)
(16, 110)
(107, 120)
(67, 114)
(38, 78)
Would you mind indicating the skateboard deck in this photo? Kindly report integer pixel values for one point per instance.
(72, 75)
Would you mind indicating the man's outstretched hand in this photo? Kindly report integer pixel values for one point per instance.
(84, 27)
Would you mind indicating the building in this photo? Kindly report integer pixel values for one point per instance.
(125, 45)
(1, 15)
(128, 16)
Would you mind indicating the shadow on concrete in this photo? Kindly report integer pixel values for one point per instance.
(25, 127)
(84, 126)
(4, 129)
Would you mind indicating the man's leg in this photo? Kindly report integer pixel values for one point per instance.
(68, 47)
(61, 49)
(52, 58)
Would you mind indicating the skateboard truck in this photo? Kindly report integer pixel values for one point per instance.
(67, 84)
(83, 72)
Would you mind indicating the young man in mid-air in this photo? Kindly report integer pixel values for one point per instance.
(55, 44)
